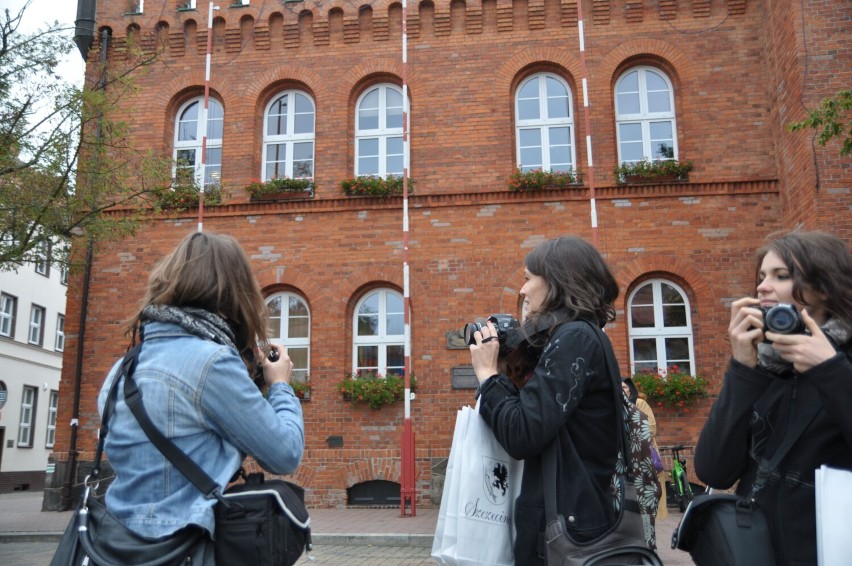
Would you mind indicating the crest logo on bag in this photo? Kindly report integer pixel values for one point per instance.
(496, 478)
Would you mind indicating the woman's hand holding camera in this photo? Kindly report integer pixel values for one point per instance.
(745, 330)
(484, 353)
(277, 366)
(804, 351)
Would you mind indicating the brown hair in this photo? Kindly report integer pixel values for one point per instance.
(816, 261)
(580, 284)
(211, 272)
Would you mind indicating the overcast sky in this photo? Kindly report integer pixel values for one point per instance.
(39, 15)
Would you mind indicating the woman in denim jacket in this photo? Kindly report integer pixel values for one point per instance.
(201, 323)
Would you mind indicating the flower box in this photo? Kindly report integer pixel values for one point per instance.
(369, 186)
(374, 389)
(539, 179)
(670, 388)
(281, 188)
(652, 171)
(291, 195)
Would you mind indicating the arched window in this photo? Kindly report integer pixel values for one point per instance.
(645, 115)
(379, 327)
(188, 137)
(544, 124)
(660, 328)
(290, 326)
(378, 132)
(288, 137)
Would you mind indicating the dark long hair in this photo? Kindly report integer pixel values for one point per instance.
(816, 261)
(580, 284)
(211, 272)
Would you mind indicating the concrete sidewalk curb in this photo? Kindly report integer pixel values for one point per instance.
(353, 539)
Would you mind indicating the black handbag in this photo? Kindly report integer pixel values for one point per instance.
(624, 543)
(720, 529)
(263, 523)
(94, 537)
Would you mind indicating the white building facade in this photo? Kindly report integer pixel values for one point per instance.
(32, 340)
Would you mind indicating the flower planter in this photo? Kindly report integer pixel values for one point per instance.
(639, 180)
(289, 195)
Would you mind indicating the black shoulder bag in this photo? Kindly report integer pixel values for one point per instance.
(722, 529)
(258, 522)
(95, 537)
(625, 542)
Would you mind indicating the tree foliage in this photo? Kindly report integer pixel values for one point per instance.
(65, 165)
(833, 116)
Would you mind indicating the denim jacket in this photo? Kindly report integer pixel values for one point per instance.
(199, 394)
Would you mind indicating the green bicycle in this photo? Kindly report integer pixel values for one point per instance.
(681, 491)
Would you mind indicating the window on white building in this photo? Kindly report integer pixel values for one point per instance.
(25, 426)
(36, 333)
(188, 138)
(8, 310)
(52, 408)
(645, 116)
(660, 328)
(288, 137)
(378, 132)
(42, 266)
(60, 333)
(290, 326)
(379, 331)
(544, 125)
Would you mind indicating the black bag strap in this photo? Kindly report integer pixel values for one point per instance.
(768, 465)
(548, 460)
(128, 364)
(184, 464)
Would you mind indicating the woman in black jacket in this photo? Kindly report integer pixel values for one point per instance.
(774, 379)
(566, 393)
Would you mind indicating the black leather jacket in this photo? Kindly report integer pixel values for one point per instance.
(570, 398)
(748, 422)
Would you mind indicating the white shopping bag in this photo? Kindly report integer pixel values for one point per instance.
(833, 516)
(445, 539)
(479, 498)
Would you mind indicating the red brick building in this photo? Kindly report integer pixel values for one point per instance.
(491, 85)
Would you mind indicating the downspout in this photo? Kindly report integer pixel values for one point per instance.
(67, 486)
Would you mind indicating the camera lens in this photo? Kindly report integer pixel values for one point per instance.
(783, 319)
(468, 331)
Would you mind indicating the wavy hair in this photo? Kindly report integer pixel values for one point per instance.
(817, 261)
(211, 272)
(580, 284)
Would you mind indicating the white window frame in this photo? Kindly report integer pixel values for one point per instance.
(282, 336)
(35, 336)
(383, 133)
(29, 398)
(212, 177)
(544, 124)
(382, 339)
(52, 410)
(60, 333)
(645, 117)
(659, 332)
(63, 275)
(42, 264)
(289, 138)
(8, 312)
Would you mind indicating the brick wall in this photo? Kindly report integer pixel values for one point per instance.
(468, 233)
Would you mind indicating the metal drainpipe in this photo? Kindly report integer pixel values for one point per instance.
(68, 485)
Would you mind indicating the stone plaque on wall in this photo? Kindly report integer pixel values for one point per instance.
(464, 378)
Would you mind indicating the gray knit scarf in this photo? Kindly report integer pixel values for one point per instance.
(197, 322)
(769, 359)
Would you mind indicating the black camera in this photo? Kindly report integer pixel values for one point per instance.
(504, 323)
(783, 319)
(257, 376)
